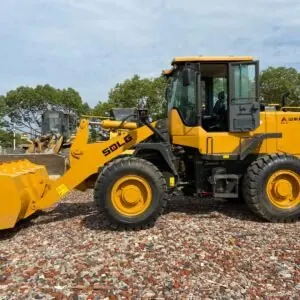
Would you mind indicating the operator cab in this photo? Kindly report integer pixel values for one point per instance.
(220, 94)
(214, 94)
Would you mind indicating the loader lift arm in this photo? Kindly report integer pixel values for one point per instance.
(26, 187)
(86, 159)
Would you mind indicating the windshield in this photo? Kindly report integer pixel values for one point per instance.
(51, 122)
(183, 98)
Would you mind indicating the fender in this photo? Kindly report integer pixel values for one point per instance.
(164, 149)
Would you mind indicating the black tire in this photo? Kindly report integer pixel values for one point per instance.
(255, 187)
(131, 166)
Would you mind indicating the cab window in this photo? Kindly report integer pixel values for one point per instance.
(244, 80)
(184, 97)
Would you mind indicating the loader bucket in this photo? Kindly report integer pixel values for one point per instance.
(55, 164)
(22, 185)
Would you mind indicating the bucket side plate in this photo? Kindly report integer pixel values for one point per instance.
(22, 184)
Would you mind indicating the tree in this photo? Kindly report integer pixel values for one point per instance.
(93, 135)
(274, 82)
(3, 111)
(25, 105)
(129, 92)
(69, 101)
(85, 109)
(101, 108)
(7, 137)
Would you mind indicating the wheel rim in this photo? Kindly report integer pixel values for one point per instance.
(131, 195)
(283, 189)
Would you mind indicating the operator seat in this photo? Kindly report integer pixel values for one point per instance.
(220, 104)
(220, 112)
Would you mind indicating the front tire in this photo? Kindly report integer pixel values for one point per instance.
(272, 187)
(131, 192)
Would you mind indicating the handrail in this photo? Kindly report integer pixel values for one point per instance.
(290, 107)
(96, 117)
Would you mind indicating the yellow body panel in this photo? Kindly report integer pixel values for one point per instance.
(287, 123)
(114, 134)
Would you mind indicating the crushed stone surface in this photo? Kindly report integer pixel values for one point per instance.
(199, 249)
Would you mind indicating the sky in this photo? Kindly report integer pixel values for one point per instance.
(91, 45)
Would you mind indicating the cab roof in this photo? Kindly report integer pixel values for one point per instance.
(200, 58)
(209, 59)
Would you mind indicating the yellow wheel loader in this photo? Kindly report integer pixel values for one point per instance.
(218, 140)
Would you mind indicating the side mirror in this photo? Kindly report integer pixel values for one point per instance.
(186, 77)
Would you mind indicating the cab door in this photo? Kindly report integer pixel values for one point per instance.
(244, 107)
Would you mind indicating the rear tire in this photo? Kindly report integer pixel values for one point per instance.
(131, 192)
(271, 187)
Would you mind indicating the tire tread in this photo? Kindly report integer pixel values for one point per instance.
(251, 181)
(100, 190)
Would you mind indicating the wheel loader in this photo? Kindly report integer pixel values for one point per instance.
(218, 140)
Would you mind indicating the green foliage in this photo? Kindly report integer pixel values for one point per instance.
(274, 82)
(93, 135)
(70, 101)
(25, 105)
(219, 85)
(6, 139)
(101, 108)
(85, 109)
(3, 110)
(129, 92)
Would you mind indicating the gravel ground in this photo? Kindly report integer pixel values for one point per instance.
(207, 249)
